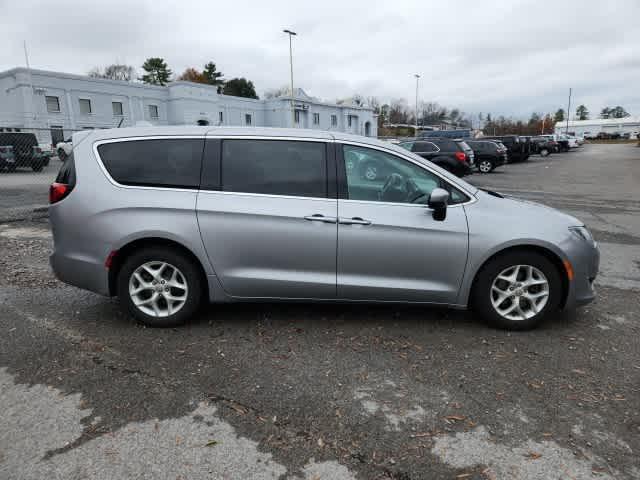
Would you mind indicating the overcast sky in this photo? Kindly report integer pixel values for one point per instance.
(481, 56)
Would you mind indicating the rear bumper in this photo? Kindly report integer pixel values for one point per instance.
(81, 273)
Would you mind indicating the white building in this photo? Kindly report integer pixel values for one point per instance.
(597, 125)
(58, 103)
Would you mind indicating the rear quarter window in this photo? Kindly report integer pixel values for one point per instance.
(159, 162)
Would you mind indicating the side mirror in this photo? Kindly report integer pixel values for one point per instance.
(438, 202)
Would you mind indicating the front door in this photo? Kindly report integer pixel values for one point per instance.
(267, 216)
(390, 248)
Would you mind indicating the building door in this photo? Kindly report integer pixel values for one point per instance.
(57, 135)
(367, 129)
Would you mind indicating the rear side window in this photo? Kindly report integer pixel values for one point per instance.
(447, 145)
(158, 163)
(276, 167)
(424, 147)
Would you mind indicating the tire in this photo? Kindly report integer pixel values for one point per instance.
(483, 295)
(544, 152)
(485, 166)
(187, 286)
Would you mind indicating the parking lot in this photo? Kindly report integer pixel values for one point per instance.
(328, 391)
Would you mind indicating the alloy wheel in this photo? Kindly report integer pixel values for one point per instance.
(485, 166)
(519, 292)
(158, 289)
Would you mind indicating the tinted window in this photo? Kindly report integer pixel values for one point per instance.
(277, 167)
(424, 147)
(67, 173)
(446, 145)
(161, 163)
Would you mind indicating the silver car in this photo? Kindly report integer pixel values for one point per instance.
(167, 217)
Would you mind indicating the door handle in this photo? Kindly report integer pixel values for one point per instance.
(353, 221)
(320, 218)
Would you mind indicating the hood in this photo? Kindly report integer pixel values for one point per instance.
(525, 212)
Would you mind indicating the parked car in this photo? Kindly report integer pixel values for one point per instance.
(488, 154)
(166, 217)
(7, 158)
(561, 141)
(454, 155)
(572, 141)
(26, 151)
(590, 135)
(64, 149)
(543, 146)
(518, 150)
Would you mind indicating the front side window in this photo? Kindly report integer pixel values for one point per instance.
(276, 167)
(378, 176)
(153, 111)
(85, 106)
(53, 104)
(159, 163)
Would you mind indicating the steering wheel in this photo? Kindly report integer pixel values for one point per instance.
(393, 189)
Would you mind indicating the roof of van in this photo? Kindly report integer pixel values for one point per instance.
(189, 130)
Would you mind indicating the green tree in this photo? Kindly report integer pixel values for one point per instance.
(605, 112)
(618, 112)
(559, 116)
(582, 113)
(240, 87)
(213, 76)
(157, 71)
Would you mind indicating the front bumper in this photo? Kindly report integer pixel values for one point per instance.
(585, 260)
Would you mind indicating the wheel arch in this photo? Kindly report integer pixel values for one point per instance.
(554, 257)
(146, 242)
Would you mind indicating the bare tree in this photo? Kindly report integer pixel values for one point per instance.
(114, 71)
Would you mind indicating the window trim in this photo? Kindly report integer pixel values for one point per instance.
(59, 110)
(121, 114)
(90, 112)
(342, 176)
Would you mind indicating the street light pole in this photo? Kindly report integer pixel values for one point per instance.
(293, 112)
(417, 79)
(566, 130)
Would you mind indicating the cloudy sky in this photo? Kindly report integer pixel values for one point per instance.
(507, 57)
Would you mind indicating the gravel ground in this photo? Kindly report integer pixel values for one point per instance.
(332, 391)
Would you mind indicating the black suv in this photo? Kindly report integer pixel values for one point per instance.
(26, 151)
(454, 155)
(489, 154)
(518, 148)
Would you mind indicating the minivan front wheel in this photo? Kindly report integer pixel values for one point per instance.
(160, 287)
(518, 290)
(485, 166)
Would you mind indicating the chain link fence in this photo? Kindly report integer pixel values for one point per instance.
(29, 162)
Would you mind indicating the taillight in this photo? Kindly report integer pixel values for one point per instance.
(461, 156)
(58, 191)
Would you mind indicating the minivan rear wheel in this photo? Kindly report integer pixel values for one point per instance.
(159, 286)
(485, 166)
(517, 291)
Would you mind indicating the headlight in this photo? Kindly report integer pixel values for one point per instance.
(583, 233)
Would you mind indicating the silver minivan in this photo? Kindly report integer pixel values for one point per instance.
(168, 217)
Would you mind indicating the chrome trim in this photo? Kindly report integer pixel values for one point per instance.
(263, 137)
(269, 195)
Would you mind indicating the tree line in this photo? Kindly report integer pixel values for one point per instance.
(582, 113)
(157, 72)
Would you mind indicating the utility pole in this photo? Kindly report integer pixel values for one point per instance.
(417, 80)
(566, 130)
(293, 111)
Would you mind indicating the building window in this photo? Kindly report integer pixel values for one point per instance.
(247, 119)
(296, 116)
(53, 104)
(349, 120)
(153, 111)
(316, 119)
(117, 109)
(334, 120)
(85, 106)
(220, 118)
